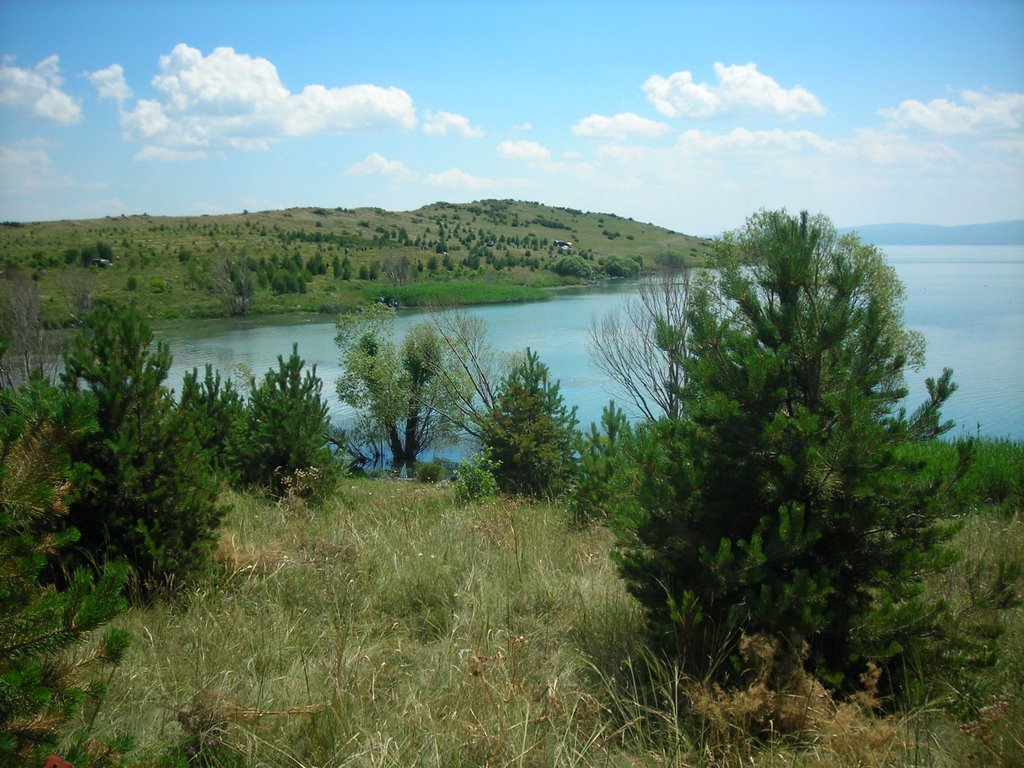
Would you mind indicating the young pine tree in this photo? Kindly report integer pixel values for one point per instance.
(216, 411)
(781, 503)
(41, 681)
(284, 429)
(150, 498)
(530, 433)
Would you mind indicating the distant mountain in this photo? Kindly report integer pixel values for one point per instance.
(994, 233)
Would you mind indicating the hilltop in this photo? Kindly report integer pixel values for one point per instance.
(327, 259)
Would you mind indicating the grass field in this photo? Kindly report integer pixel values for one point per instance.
(169, 266)
(393, 627)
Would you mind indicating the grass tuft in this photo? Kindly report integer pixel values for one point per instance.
(391, 626)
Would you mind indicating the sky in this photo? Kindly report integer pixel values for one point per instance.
(688, 115)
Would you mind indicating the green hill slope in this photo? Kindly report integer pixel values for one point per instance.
(322, 260)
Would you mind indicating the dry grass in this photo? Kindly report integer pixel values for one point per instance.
(392, 627)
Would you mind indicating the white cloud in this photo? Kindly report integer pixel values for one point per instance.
(110, 83)
(351, 109)
(897, 149)
(529, 151)
(740, 87)
(619, 127)
(979, 112)
(167, 154)
(457, 179)
(146, 120)
(449, 124)
(233, 100)
(28, 168)
(375, 164)
(742, 140)
(37, 91)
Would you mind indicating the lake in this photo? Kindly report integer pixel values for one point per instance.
(968, 301)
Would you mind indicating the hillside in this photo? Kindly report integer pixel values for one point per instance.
(994, 233)
(322, 260)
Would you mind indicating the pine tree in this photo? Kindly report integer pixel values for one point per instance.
(530, 432)
(284, 429)
(216, 411)
(41, 685)
(782, 503)
(151, 497)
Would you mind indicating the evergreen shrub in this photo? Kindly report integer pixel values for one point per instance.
(283, 431)
(42, 629)
(530, 432)
(780, 504)
(150, 497)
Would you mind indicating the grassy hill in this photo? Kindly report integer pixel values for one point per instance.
(322, 260)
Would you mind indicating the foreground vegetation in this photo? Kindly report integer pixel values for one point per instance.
(328, 260)
(803, 573)
(392, 626)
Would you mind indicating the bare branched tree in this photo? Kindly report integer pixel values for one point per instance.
(76, 287)
(396, 268)
(26, 347)
(641, 347)
(234, 283)
(470, 358)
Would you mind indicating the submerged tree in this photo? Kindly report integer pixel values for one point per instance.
(400, 396)
(782, 503)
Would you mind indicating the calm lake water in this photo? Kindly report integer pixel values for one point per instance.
(968, 301)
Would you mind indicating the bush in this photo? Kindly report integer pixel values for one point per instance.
(572, 266)
(474, 479)
(217, 412)
(606, 479)
(429, 471)
(150, 496)
(530, 432)
(619, 266)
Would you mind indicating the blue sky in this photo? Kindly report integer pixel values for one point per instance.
(690, 115)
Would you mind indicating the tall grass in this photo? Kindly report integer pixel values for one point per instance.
(394, 627)
(458, 293)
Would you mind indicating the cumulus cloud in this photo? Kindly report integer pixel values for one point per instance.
(232, 100)
(457, 179)
(978, 112)
(529, 151)
(110, 83)
(37, 91)
(375, 164)
(739, 88)
(619, 127)
(449, 124)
